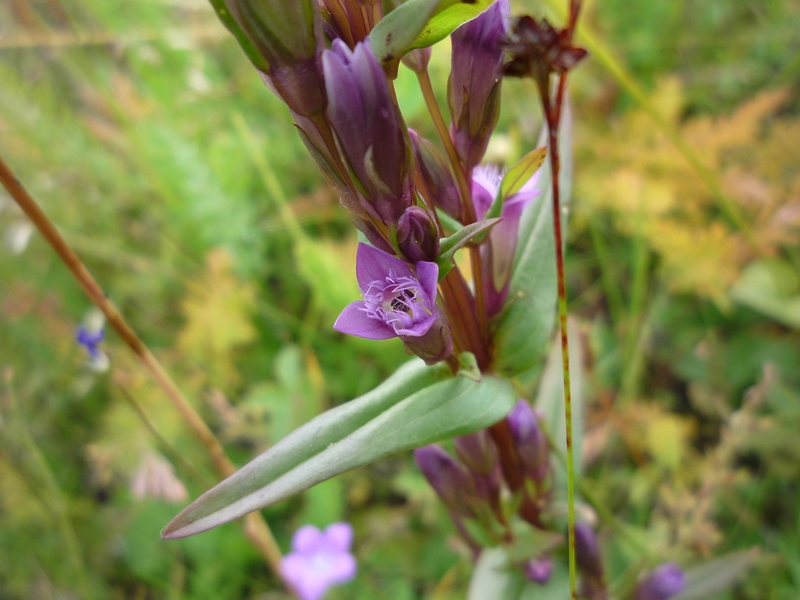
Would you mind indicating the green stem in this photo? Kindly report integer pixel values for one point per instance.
(562, 320)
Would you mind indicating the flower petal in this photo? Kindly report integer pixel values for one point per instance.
(307, 540)
(354, 321)
(374, 265)
(342, 567)
(428, 277)
(339, 536)
(419, 328)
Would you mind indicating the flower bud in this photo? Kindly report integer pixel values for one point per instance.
(436, 175)
(369, 127)
(446, 477)
(531, 444)
(587, 551)
(477, 451)
(538, 570)
(662, 583)
(417, 60)
(283, 33)
(473, 91)
(417, 235)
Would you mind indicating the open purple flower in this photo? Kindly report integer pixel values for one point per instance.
(319, 560)
(499, 252)
(397, 303)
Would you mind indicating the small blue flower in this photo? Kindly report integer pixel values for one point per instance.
(90, 340)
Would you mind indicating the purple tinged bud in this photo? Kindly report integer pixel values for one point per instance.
(436, 175)
(369, 127)
(477, 451)
(446, 477)
(538, 570)
(587, 552)
(284, 34)
(473, 91)
(417, 60)
(417, 235)
(662, 583)
(531, 444)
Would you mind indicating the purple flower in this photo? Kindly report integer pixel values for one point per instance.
(538, 570)
(319, 560)
(447, 477)
(369, 127)
(418, 235)
(531, 444)
(473, 91)
(662, 583)
(587, 551)
(397, 303)
(502, 246)
(90, 340)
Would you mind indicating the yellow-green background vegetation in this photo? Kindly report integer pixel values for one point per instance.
(150, 141)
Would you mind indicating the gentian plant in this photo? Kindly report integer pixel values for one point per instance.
(417, 202)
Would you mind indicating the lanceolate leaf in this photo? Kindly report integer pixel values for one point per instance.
(521, 172)
(717, 575)
(447, 21)
(412, 408)
(394, 33)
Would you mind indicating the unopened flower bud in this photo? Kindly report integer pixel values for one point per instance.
(283, 33)
(538, 570)
(531, 444)
(477, 451)
(587, 551)
(417, 235)
(417, 60)
(662, 583)
(473, 91)
(446, 477)
(369, 127)
(436, 175)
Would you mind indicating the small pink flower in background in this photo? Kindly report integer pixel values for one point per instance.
(155, 478)
(319, 560)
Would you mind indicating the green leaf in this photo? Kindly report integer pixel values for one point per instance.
(394, 34)
(411, 409)
(447, 21)
(716, 575)
(524, 327)
(449, 245)
(520, 173)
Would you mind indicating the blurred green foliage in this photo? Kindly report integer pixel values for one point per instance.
(144, 133)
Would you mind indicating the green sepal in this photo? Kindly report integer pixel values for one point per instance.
(522, 171)
(449, 245)
(249, 48)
